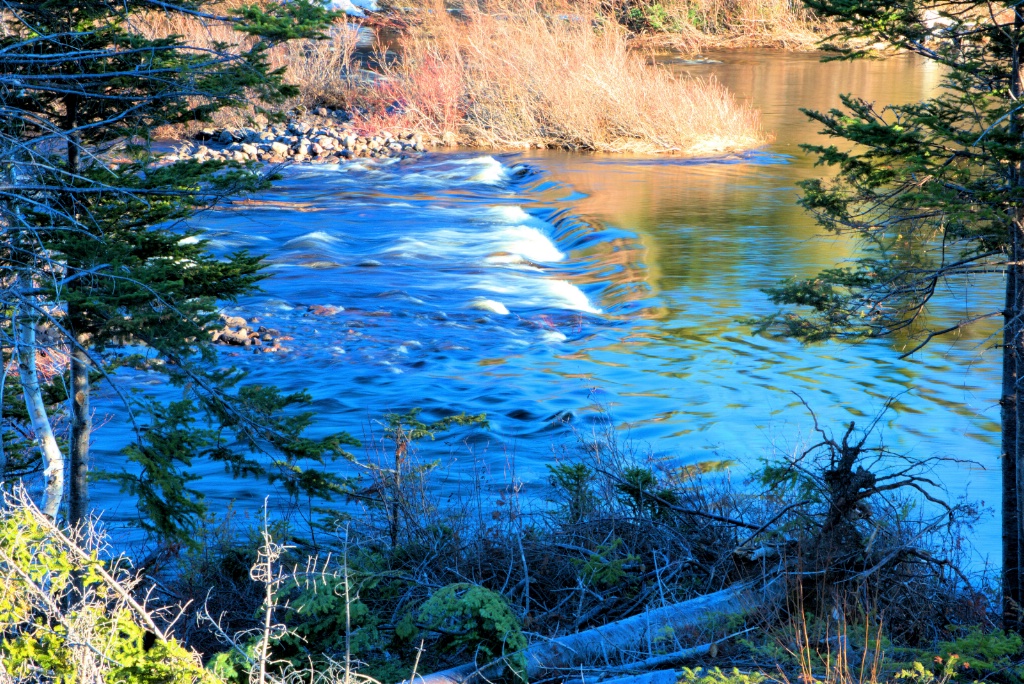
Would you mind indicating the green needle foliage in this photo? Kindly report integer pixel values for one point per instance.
(934, 192)
(96, 248)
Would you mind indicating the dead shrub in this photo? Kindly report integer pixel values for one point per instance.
(322, 70)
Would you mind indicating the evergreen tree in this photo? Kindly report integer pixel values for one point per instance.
(935, 190)
(95, 249)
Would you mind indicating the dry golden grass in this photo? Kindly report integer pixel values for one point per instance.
(696, 25)
(520, 75)
(320, 68)
(512, 74)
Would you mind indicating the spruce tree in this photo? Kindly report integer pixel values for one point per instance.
(96, 249)
(935, 191)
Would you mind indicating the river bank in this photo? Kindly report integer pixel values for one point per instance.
(503, 76)
(630, 573)
(320, 136)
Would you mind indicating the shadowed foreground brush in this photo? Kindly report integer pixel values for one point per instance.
(68, 616)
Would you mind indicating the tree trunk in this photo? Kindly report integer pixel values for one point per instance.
(53, 459)
(81, 429)
(81, 420)
(3, 386)
(74, 138)
(1008, 404)
(1013, 416)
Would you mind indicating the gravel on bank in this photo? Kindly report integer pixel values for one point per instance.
(320, 136)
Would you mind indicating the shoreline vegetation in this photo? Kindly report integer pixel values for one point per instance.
(816, 570)
(513, 75)
(837, 561)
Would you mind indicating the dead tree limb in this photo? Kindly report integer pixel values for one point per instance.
(631, 634)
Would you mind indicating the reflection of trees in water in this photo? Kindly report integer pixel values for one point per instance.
(708, 236)
(779, 84)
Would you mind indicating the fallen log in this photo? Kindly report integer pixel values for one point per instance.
(657, 677)
(592, 646)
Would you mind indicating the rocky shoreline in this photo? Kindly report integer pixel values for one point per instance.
(320, 136)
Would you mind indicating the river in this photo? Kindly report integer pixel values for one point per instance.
(564, 293)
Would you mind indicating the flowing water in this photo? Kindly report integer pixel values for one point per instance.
(557, 291)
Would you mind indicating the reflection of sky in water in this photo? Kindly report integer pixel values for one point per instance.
(527, 286)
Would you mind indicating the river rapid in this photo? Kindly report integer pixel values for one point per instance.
(563, 294)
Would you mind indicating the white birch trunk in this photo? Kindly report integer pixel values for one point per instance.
(53, 459)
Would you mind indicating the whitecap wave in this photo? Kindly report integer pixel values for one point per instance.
(481, 304)
(317, 236)
(490, 171)
(548, 293)
(496, 243)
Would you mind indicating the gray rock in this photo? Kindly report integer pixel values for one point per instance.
(225, 137)
(240, 338)
(233, 321)
(249, 149)
(279, 148)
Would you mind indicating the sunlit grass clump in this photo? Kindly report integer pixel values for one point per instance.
(522, 75)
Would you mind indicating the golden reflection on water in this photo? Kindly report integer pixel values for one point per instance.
(696, 223)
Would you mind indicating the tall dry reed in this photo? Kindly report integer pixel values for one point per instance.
(698, 25)
(512, 74)
(520, 75)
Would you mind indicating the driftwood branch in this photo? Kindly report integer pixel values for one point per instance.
(631, 634)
